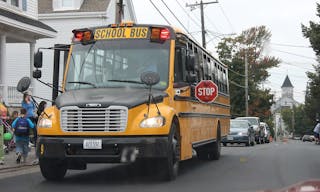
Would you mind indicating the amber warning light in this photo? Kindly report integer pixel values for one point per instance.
(82, 35)
(160, 34)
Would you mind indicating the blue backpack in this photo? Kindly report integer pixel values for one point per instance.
(22, 127)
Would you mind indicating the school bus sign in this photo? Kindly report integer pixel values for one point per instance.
(206, 91)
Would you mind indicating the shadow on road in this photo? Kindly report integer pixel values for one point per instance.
(135, 173)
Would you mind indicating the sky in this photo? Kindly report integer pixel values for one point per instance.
(229, 17)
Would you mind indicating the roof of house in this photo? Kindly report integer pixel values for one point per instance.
(26, 20)
(45, 6)
(287, 82)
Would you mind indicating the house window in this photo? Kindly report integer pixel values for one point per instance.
(62, 5)
(66, 3)
(15, 3)
(24, 5)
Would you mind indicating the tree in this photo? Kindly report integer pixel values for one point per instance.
(312, 102)
(232, 51)
(296, 120)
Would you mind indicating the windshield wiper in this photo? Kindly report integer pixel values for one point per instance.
(125, 81)
(83, 82)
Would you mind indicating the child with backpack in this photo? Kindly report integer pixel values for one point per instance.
(21, 127)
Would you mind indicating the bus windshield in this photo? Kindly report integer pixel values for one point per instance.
(116, 63)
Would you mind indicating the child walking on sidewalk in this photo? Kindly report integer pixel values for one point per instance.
(21, 127)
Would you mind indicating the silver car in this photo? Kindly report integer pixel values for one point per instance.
(241, 131)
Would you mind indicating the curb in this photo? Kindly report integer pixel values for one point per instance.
(16, 168)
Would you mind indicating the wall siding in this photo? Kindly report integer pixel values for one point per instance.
(32, 8)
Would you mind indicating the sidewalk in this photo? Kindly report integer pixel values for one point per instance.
(10, 161)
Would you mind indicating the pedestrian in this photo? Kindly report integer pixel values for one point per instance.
(30, 106)
(316, 131)
(13, 116)
(41, 108)
(21, 127)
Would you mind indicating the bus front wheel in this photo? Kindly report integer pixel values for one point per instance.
(52, 169)
(169, 166)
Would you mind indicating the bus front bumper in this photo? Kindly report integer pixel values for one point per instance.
(112, 150)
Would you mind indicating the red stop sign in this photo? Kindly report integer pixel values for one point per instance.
(206, 91)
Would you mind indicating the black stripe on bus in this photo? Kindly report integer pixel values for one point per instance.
(203, 142)
(182, 98)
(206, 115)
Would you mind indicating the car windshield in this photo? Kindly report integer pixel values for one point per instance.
(116, 63)
(253, 121)
(239, 124)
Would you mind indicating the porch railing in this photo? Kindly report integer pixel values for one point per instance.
(14, 97)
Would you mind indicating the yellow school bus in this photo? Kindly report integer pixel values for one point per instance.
(129, 94)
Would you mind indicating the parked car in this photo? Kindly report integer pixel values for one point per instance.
(241, 131)
(297, 137)
(309, 138)
(265, 128)
(255, 122)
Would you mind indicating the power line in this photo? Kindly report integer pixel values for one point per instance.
(291, 64)
(290, 45)
(212, 23)
(203, 31)
(197, 23)
(177, 19)
(236, 84)
(227, 18)
(298, 55)
(236, 72)
(160, 12)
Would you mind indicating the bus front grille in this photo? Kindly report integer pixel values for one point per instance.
(111, 119)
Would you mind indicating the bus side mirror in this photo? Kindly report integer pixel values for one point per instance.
(190, 62)
(38, 59)
(23, 84)
(36, 74)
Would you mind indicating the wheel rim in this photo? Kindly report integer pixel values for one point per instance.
(175, 151)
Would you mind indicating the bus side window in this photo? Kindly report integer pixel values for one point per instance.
(215, 73)
(199, 65)
(180, 72)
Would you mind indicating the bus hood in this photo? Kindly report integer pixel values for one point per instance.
(105, 97)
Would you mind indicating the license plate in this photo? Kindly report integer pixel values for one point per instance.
(230, 138)
(92, 144)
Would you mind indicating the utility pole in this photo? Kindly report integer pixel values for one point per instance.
(246, 83)
(203, 30)
(292, 119)
(119, 11)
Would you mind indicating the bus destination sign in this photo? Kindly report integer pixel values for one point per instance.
(121, 33)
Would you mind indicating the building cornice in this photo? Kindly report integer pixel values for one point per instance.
(16, 24)
(72, 15)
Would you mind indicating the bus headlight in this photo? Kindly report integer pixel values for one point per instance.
(153, 122)
(45, 123)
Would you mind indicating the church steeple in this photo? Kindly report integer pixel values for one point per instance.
(287, 82)
(287, 88)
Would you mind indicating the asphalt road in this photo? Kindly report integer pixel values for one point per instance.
(267, 166)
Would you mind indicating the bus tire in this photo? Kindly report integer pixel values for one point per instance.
(52, 169)
(169, 166)
(216, 148)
